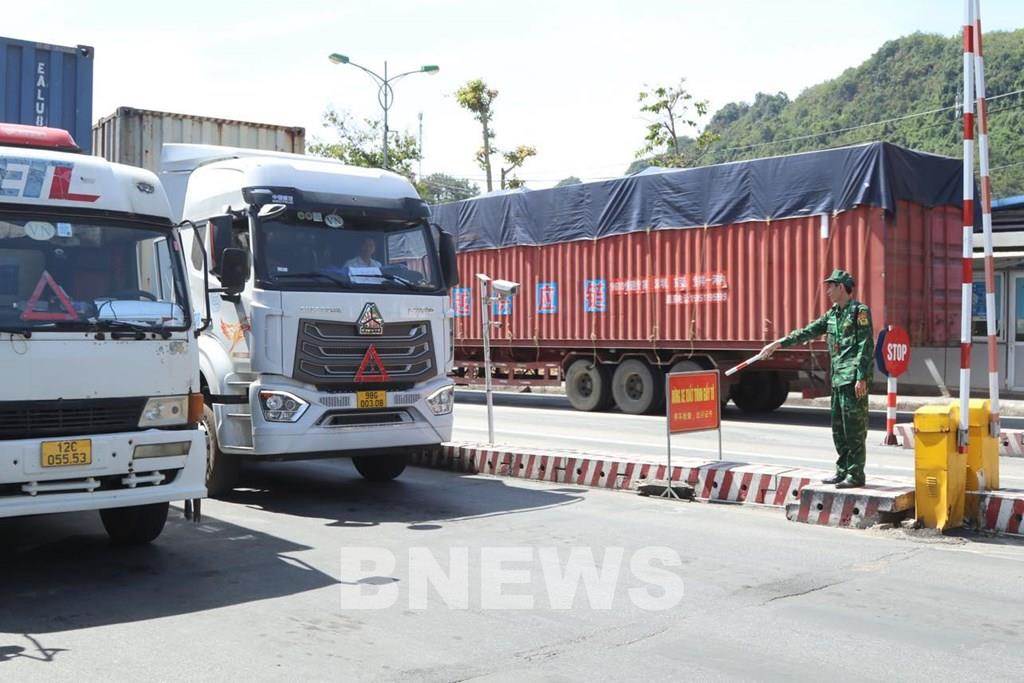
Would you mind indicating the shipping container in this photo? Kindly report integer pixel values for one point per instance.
(136, 137)
(47, 85)
(705, 266)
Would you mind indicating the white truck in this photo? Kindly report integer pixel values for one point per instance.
(331, 333)
(100, 406)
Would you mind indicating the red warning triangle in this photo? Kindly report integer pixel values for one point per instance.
(46, 280)
(372, 367)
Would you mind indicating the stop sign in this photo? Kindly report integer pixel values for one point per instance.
(894, 351)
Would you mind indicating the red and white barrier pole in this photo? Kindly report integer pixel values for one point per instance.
(750, 361)
(890, 411)
(968, 227)
(986, 221)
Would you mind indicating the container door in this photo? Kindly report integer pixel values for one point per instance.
(1015, 339)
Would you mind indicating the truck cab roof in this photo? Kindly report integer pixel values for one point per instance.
(44, 177)
(214, 177)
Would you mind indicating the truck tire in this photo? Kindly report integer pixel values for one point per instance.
(588, 385)
(221, 468)
(760, 392)
(638, 388)
(135, 525)
(380, 467)
(779, 393)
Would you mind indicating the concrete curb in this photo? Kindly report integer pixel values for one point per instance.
(794, 490)
(858, 508)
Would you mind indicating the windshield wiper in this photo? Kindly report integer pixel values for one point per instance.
(396, 278)
(336, 280)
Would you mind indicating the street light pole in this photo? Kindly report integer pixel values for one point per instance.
(385, 93)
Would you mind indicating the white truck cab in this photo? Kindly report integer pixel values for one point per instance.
(330, 333)
(100, 404)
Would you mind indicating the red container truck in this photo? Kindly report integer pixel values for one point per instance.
(626, 279)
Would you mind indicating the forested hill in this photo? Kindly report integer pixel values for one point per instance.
(916, 73)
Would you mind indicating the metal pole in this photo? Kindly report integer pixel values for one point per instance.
(986, 222)
(419, 170)
(968, 228)
(485, 317)
(669, 492)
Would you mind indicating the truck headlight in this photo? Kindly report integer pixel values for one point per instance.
(442, 400)
(280, 406)
(165, 411)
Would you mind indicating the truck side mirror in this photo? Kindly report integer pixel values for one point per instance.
(449, 261)
(220, 239)
(234, 269)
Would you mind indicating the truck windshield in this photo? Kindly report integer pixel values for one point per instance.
(296, 252)
(70, 274)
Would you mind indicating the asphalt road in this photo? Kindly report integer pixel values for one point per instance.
(265, 588)
(791, 436)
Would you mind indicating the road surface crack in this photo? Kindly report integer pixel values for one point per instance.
(798, 594)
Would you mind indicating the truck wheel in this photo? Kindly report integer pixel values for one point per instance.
(221, 468)
(637, 387)
(588, 386)
(135, 525)
(760, 392)
(380, 467)
(779, 393)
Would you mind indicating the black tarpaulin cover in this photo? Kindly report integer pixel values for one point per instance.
(876, 174)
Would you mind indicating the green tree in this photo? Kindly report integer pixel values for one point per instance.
(670, 110)
(910, 75)
(439, 188)
(477, 98)
(513, 160)
(359, 144)
(571, 180)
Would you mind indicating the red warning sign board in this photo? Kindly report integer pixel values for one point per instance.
(372, 367)
(46, 280)
(693, 401)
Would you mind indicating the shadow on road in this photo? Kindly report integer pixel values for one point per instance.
(60, 573)
(424, 500)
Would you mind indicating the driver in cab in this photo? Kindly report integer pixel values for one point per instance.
(365, 258)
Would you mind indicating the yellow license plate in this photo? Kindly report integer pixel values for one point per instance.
(66, 453)
(371, 399)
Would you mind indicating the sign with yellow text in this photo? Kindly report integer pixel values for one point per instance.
(693, 401)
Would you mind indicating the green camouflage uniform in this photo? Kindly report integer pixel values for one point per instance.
(851, 349)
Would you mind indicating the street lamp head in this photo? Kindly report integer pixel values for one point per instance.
(338, 59)
(430, 69)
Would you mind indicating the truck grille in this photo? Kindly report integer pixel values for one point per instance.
(330, 353)
(36, 419)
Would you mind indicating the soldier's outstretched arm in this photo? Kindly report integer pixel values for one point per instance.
(805, 334)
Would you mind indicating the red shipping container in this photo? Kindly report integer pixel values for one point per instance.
(722, 287)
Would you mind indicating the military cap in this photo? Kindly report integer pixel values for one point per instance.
(841, 277)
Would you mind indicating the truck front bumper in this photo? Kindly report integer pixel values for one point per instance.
(332, 424)
(115, 478)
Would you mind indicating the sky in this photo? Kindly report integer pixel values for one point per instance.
(567, 71)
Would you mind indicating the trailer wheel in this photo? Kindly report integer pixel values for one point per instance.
(135, 525)
(779, 393)
(221, 468)
(760, 392)
(380, 467)
(638, 388)
(588, 385)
